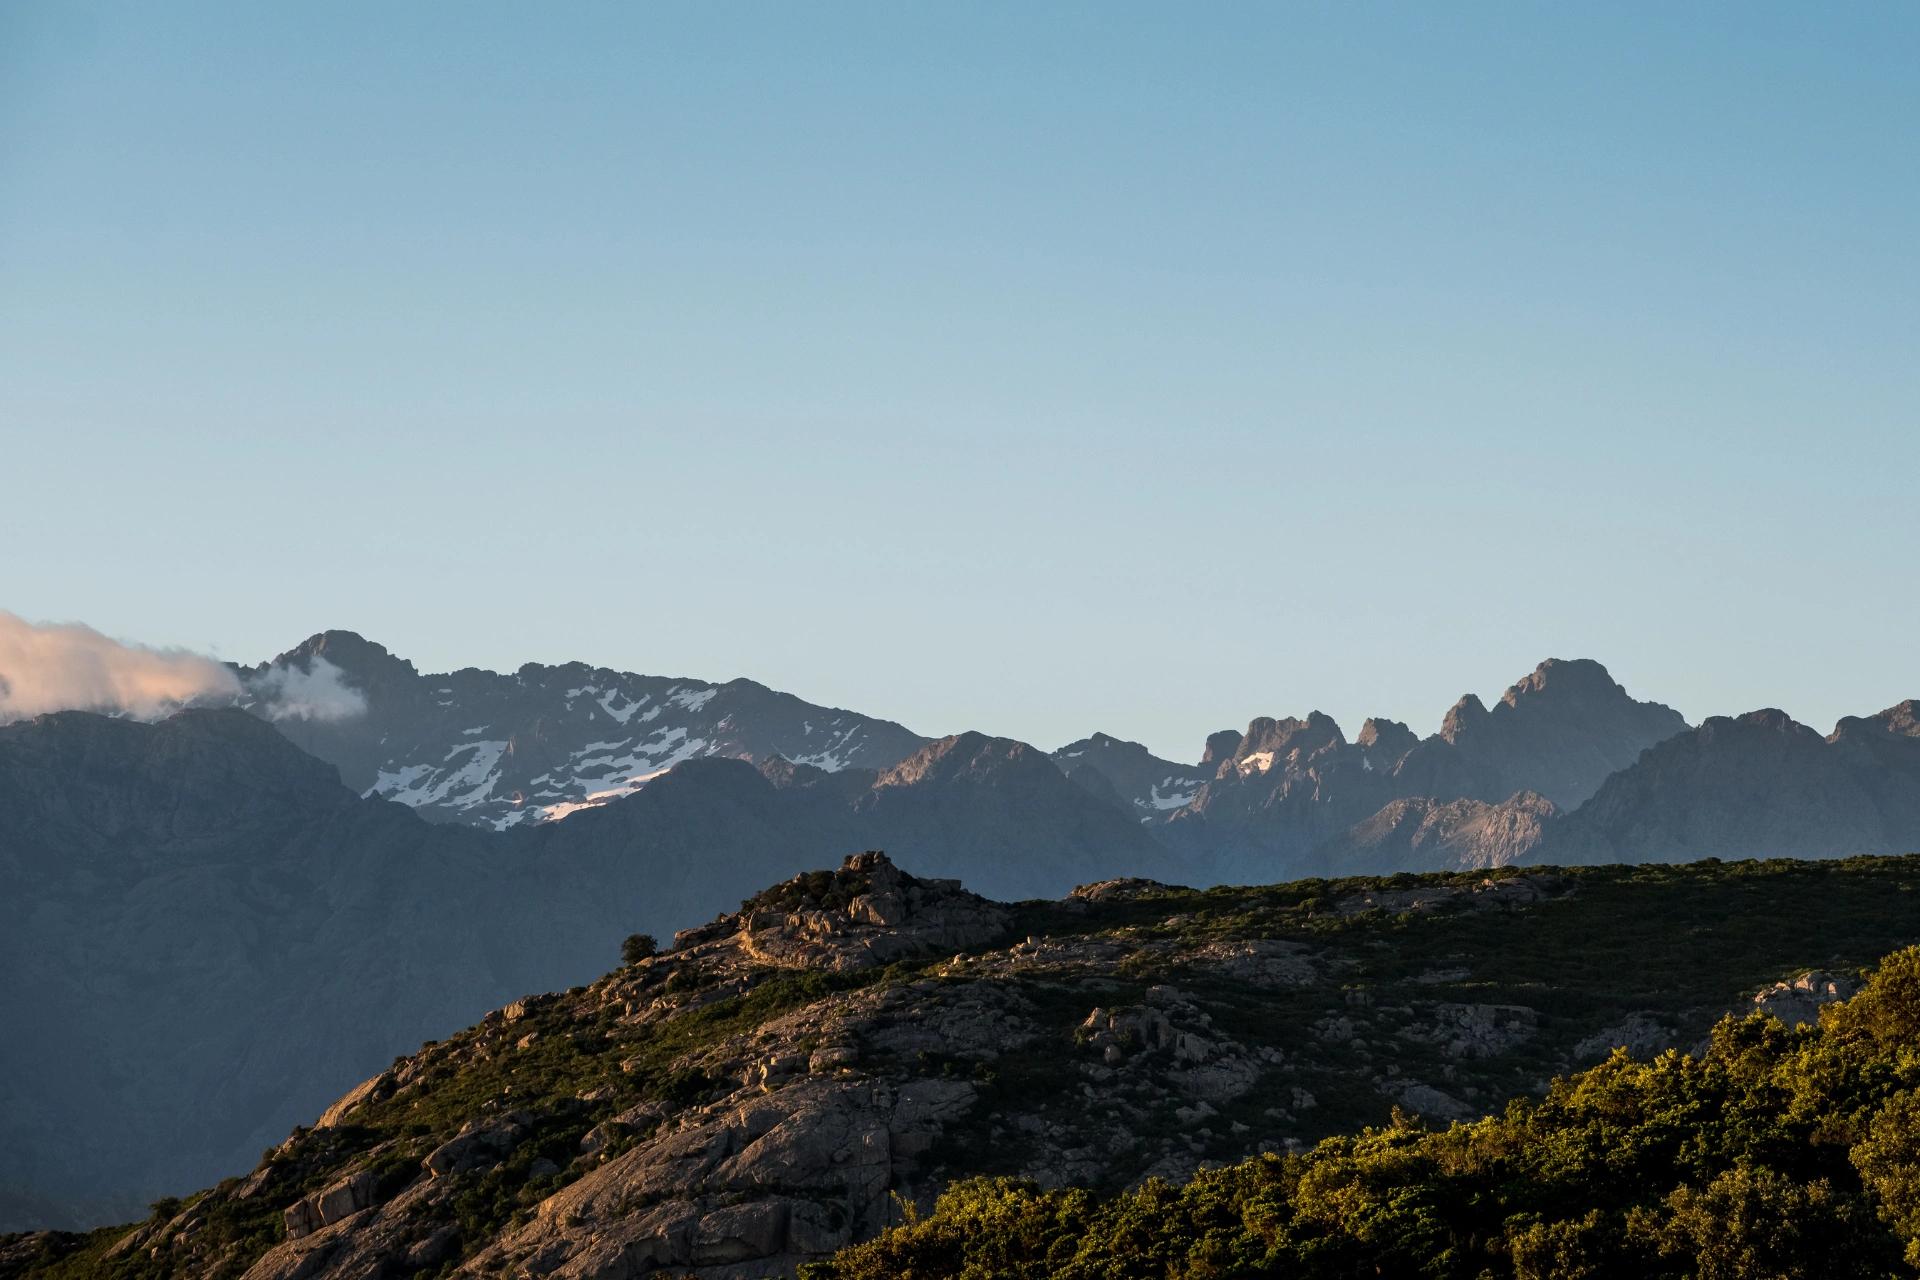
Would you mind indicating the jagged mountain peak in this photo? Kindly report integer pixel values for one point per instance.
(1902, 718)
(1573, 677)
(1103, 743)
(1753, 784)
(972, 756)
(1221, 744)
(1767, 719)
(350, 651)
(1267, 734)
(1463, 716)
(1390, 738)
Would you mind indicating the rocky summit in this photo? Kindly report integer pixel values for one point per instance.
(790, 1079)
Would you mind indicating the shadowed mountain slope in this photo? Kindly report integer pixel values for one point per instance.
(205, 934)
(1151, 788)
(1755, 785)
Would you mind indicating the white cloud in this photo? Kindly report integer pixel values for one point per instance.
(317, 692)
(68, 666)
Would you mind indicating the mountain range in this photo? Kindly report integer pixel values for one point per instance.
(497, 750)
(213, 923)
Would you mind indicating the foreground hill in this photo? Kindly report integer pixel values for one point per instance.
(779, 1084)
(1776, 1151)
(206, 936)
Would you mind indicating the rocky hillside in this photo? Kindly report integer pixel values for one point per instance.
(206, 935)
(779, 1083)
(1780, 1148)
(499, 750)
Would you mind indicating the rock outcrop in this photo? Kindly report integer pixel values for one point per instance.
(869, 913)
(1801, 999)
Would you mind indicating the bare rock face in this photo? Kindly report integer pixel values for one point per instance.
(329, 1205)
(1641, 1034)
(1171, 1040)
(747, 1188)
(1468, 1031)
(1426, 833)
(1800, 1000)
(867, 914)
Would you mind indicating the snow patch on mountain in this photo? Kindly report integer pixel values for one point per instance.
(496, 750)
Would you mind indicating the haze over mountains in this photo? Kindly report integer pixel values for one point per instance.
(218, 922)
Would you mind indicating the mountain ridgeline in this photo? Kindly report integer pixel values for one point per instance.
(1552, 771)
(498, 750)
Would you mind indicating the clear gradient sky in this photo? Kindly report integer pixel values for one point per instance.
(1034, 368)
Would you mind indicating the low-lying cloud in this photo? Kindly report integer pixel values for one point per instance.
(68, 666)
(318, 691)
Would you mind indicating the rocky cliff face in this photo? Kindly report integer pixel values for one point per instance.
(502, 750)
(1420, 833)
(786, 1078)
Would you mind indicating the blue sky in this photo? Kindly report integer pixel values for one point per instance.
(1030, 368)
